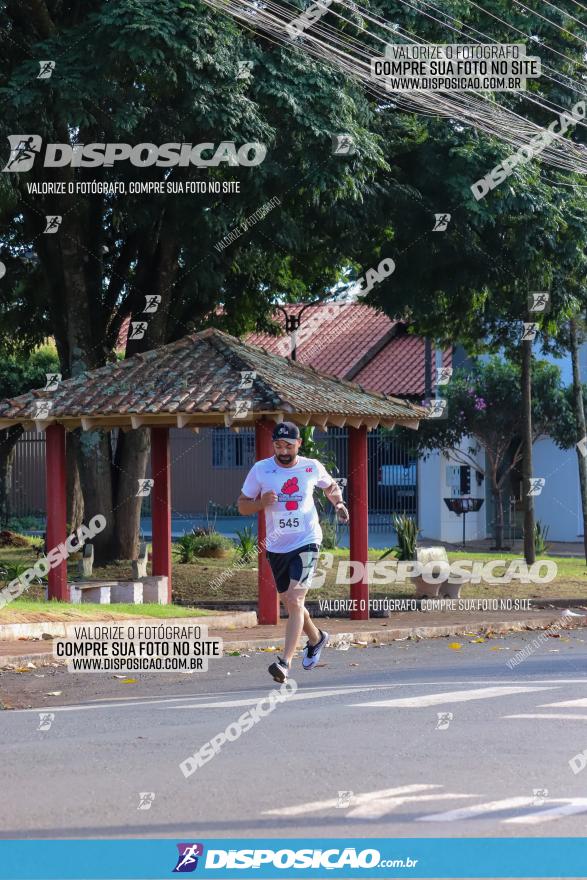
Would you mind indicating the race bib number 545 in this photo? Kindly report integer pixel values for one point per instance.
(288, 522)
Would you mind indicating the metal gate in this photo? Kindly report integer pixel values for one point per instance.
(392, 472)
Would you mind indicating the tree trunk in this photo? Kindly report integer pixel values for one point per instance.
(75, 498)
(94, 462)
(529, 549)
(581, 427)
(132, 453)
(498, 498)
(8, 440)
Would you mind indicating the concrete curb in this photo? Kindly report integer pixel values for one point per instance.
(373, 637)
(232, 620)
(393, 634)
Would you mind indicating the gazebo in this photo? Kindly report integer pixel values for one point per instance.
(205, 379)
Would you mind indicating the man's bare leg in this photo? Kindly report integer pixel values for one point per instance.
(298, 620)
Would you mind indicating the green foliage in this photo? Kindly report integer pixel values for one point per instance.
(329, 533)
(21, 371)
(540, 536)
(485, 403)
(247, 544)
(26, 523)
(319, 449)
(407, 530)
(191, 546)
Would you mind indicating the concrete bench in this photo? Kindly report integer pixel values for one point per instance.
(134, 592)
(441, 589)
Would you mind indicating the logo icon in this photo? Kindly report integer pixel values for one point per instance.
(288, 489)
(146, 799)
(441, 222)
(539, 301)
(24, 149)
(343, 145)
(145, 487)
(536, 486)
(344, 799)
(46, 68)
(187, 859)
(152, 303)
(444, 719)
(53, 222)
(46, 719)
(137, 329)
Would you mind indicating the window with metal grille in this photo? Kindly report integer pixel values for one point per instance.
(230, 450)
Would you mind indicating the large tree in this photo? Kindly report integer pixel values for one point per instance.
(162, 72)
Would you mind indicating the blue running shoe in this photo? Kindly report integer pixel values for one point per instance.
(312, 652)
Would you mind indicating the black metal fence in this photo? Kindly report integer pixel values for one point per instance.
(209, 468)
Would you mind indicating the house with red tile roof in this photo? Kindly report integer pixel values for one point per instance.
(356, 343)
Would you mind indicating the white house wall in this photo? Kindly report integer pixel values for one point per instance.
(559, 504)
(436, 521)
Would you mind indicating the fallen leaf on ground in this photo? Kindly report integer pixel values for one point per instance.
(233, 654)
(129, 681)
(477, 641)
(456, 646)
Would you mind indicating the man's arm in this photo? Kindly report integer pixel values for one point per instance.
(334, 495)
(247, 506)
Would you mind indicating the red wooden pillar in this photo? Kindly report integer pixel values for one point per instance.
(359, 517)
(161, 505)
(56, 482)
(268, 602)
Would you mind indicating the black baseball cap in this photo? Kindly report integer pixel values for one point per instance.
(286, 431)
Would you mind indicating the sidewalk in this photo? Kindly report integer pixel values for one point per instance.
(402, 626)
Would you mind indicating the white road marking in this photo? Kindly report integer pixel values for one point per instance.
(479, 809)
(235, 704)
(369, 805)
(378, 807)
(566, 704)
(128, 701)
(568, 807)
(555, 716)
(451, 697)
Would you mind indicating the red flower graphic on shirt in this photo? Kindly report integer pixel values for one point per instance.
(290, 487)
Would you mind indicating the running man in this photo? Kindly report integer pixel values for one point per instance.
(283, 486)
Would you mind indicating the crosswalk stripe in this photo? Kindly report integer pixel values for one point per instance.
(577, 805)
(316, 806)
(478, 810)
(566, 704)
(251, 701)
(451, 697)
(379, 807)
(554, 716)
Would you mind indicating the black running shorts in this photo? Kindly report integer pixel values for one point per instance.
(293, 566)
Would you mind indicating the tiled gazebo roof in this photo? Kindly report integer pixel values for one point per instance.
(197, 381)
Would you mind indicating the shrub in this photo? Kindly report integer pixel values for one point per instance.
(407, 536)
(247, 544)
(540, 536)
(190, 546)
(329, 534)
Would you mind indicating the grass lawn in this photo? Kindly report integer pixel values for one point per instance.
(196, 583)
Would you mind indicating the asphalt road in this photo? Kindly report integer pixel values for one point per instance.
(365, 724)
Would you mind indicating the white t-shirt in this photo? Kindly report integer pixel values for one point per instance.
(293, 520)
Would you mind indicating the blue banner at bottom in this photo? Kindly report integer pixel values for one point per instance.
(225, 858)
